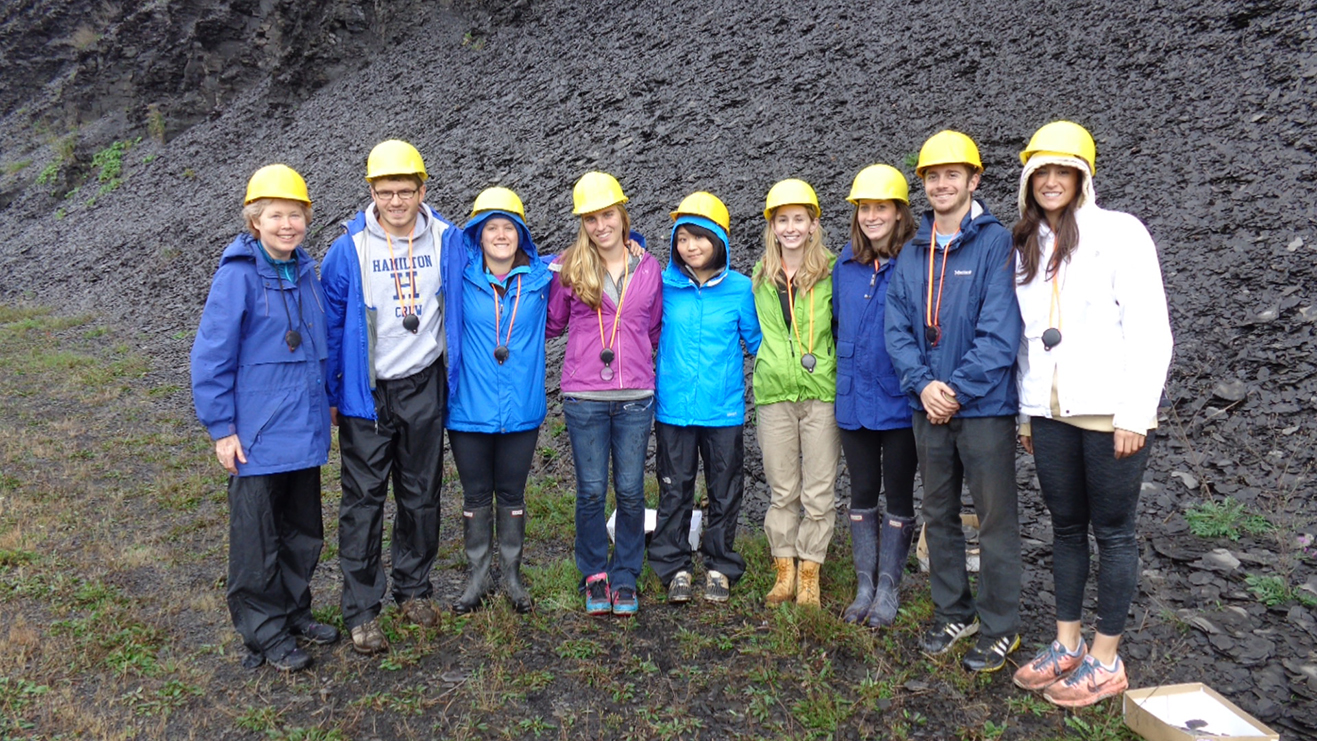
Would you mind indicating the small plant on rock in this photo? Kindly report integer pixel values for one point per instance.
(1225, 519)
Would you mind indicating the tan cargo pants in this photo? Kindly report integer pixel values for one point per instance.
(802, 449)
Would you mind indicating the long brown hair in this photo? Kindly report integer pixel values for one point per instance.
(582, 269)
(1025, 236)
(866, 251)
(815, 265)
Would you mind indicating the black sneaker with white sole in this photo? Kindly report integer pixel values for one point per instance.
(942, 636)
(989, 654)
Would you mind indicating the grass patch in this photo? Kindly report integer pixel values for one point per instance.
(1225, 519)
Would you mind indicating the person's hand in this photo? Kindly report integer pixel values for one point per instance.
(333, 416)
(1128, 443)
(940, 402)
(1026, 442)
(226, 450)
(635, 249)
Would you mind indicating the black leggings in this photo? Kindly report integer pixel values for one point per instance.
(1083, 484)
(491, 462)
(880, 459)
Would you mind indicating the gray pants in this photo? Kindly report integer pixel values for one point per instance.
(981, 451)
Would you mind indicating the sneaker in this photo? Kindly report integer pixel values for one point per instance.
(679, 589)
(368, 638)
(942, 636)
(1049, 665)
(716, 587)
(419, 612)
(293, 660)
(1089, 683)
(598, 600)
(989, 654)
(626, 602)
(317, 633)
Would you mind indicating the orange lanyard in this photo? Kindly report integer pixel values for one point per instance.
(1055, 309)
(498, 315)
(411, 274)
(932, 315)
(621, 299)
(795, 325)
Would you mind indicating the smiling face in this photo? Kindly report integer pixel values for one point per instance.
(1054, 187)
(281, 226)
(792, 225)
(877, 219)
(397, 202)
(605, 228)
(950, 187)
(499, 240)
(695, 249)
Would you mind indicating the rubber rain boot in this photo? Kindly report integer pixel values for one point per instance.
(478, 532)
(807, 590)
(864, 551)
(897, 532)
(784, 589)
(511, 537)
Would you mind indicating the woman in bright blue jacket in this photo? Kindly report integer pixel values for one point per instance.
(708, 311)
(498, 402)
(872, 412)
(258, 383)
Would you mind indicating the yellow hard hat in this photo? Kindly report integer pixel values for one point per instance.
(1064, 138)
(394, 157)
(879, 183)
(498, 199)
(790, 192)
(701, 203)
(948, 148)
(277, 181)
(596, 191)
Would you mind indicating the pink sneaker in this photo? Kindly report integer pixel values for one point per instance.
(1088, 684)
(1048, 666)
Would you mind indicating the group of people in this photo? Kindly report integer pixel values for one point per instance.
(881, 353)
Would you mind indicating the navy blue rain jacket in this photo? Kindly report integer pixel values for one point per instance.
(980, 317)
(869, 392)
(491, 397)
(245, 381)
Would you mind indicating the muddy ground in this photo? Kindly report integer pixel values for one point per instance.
(1202, 112)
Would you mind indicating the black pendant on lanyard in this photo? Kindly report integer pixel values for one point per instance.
(411, 323)
(501, 353)
(808, 361)
(1051, 338)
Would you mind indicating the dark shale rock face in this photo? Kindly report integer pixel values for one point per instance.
(1202, 111)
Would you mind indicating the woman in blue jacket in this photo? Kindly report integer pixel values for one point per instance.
(498, 402)
(708, 311)
(872, 411)
(258, 383)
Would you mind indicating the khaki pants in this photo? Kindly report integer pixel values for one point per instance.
(801, 448)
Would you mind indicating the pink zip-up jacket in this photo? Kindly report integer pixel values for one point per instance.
(637, 331)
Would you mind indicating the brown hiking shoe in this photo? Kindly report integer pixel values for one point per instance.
(367, 638)
(784, 589)
(420, 612)
(807, 592)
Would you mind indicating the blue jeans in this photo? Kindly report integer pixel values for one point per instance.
(598, 428)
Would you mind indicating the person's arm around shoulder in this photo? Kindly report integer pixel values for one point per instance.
(215, 363)
(748, 320)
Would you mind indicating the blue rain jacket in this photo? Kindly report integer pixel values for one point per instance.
(869, 394)
(350, 331)
(701, 369)
(245, 381)
(509, 397)
(980, 316)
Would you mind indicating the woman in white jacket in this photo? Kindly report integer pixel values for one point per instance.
(1092, 364)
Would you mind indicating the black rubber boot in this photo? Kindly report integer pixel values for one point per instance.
(864, 550)
(511, 536)
(897, 534)
(478, 531)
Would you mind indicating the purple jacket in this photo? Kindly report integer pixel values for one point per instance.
(637, 331)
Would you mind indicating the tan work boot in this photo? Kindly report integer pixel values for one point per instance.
(807, 593)
(785, 586)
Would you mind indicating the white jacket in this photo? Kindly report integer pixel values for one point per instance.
(1116, 336)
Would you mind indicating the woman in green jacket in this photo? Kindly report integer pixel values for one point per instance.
(795, 384)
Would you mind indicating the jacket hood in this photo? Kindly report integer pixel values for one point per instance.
(1086, 195)
(471, 233)
(978, 217)
(245, 247)
(722, 250)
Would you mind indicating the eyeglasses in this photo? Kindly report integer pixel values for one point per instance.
(388, 195)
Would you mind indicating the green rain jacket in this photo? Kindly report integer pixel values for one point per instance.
(779, 376)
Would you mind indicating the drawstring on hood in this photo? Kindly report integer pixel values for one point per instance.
(1086, 195)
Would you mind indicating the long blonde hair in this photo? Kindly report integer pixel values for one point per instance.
(813, 268)
(582, 269)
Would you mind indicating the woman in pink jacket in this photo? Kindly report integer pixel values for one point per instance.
(610, 302)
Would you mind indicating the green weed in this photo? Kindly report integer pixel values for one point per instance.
(1225, 520)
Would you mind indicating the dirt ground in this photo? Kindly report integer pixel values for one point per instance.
(1203, 117)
